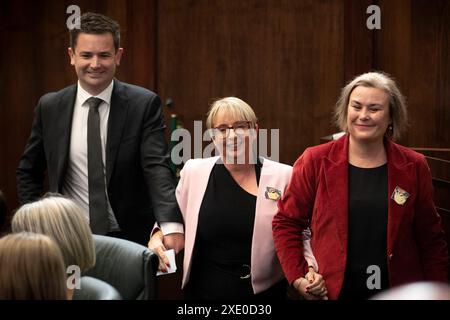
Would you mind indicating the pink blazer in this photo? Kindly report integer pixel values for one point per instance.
(265, 267)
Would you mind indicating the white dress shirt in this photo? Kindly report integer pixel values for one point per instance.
(76, 183)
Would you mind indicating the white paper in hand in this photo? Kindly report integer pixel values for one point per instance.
(170, 254)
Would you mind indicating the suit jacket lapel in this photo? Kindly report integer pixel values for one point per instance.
(400, 174)
(196, 184)
(63, 123)
(116, 122)
(262, 249)
(263, 216)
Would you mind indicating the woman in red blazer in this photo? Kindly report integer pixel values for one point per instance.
(367, 201)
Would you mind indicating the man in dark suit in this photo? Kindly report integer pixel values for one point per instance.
(102, 143)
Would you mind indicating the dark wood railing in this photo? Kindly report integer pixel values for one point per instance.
(439, 162)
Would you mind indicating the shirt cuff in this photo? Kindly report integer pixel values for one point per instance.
(171, 227)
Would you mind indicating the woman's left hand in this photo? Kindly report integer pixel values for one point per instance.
(156, 245)
(316, 284)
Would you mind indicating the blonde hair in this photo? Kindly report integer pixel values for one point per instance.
(397, 104)
(62, 220)
(32, 268)
(236, 107)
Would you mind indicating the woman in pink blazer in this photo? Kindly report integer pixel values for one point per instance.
(228, 203)
(367, 200)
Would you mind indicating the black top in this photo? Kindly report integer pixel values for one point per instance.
(367, 233)
(223, 240)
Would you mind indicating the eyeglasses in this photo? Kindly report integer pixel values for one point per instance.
(239, 127)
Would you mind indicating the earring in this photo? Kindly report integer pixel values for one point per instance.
(389, 131)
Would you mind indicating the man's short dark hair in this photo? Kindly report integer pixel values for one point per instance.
(95, 23)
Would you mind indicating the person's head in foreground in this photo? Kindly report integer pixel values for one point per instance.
(62, 220)
(32, 268)
(416, 291)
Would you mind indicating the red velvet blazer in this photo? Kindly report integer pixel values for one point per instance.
(317, 197)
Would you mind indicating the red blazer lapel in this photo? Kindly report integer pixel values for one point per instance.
(336, 180)
(401, 175)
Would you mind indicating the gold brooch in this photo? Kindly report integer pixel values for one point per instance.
(272, 193)
(400, 196)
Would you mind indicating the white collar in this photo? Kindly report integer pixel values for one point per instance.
(105, 95)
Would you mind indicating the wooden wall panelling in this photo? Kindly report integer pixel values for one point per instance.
(18, 87)
(359, 41)
(35, 62)
(414, 47)
(284, 58)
